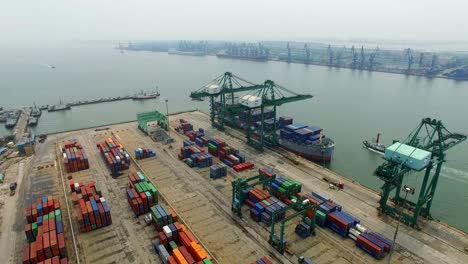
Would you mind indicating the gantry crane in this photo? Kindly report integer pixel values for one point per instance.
(307, 53)
(302, 206)
(354, 57)
(410, 58)
(372, 58)
(217, 91)
(224, 109)
(239, 185)
(432, 136)
(339, 56)
(289, 53)
(362, 61)
(330, 55)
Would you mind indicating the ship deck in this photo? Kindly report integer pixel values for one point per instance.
(205, 206)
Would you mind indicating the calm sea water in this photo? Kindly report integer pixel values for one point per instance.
(350, 105)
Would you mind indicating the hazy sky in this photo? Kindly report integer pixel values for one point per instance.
(54, 20)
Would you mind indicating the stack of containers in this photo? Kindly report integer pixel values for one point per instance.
(284, 121)
(263, 260)
(340, 222)
(141, 193)
(267, 172)
(115, 156)
(184, 127)
(178, 245)
(74, 157)
(303, 229)
(256, 115)
(195, 156)
(218, 171)
(143, 153)
(284, 188)
(44, 232)
(91, 209)
(243, 166)
(162, 215)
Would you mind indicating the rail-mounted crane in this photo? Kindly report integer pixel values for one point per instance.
(432, 136)
(410, 58)
(288, 47)
(307, 53)
(354, 57)
(224, 106)
(372, 57)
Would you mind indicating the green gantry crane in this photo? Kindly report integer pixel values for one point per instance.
(432, 136)
(224, 107)
(239, 185)
(219, 91)
(301, 208)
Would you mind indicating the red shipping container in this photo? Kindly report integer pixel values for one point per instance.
(369, 245)
(39, 248)
(191, 236)
(26, 254)
(64, 261)
(45, 226)
(171, 260)
(52, 224)
(32, 253)
(45, 208)
(61, 245)
(50, 205)
(48, 261)
(188, 257)
(55, 260)
(54, 243)
(184, 239)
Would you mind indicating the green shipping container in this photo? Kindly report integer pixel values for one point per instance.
(58, 217)
(58, 212)
(2, 177)
(34, 228)
(320, 214)
(45, 217)
(207, 261)
(172, 245)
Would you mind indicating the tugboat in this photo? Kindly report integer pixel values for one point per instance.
(375, 146)
(143, 95)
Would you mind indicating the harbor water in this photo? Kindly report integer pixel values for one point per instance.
(351, 106)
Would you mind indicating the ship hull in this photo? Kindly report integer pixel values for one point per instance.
(310, 152)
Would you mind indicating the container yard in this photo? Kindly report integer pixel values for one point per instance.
(163, 211)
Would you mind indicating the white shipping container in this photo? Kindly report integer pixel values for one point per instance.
(352, 237)
(167, 231)
(361, 228)
(354, 232)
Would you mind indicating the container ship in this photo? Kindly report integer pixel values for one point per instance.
(307, 141)
(59, 107)
(188, 53)
(143, 95)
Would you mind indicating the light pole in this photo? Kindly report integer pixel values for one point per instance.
(407, 190)
(167, 117)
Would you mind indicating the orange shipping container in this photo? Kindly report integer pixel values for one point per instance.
(198, 252)
(178, 256)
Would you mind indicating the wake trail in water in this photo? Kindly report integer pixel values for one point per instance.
(454, 174)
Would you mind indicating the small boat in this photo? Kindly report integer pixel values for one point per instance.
(143, 95)
(375, 145)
